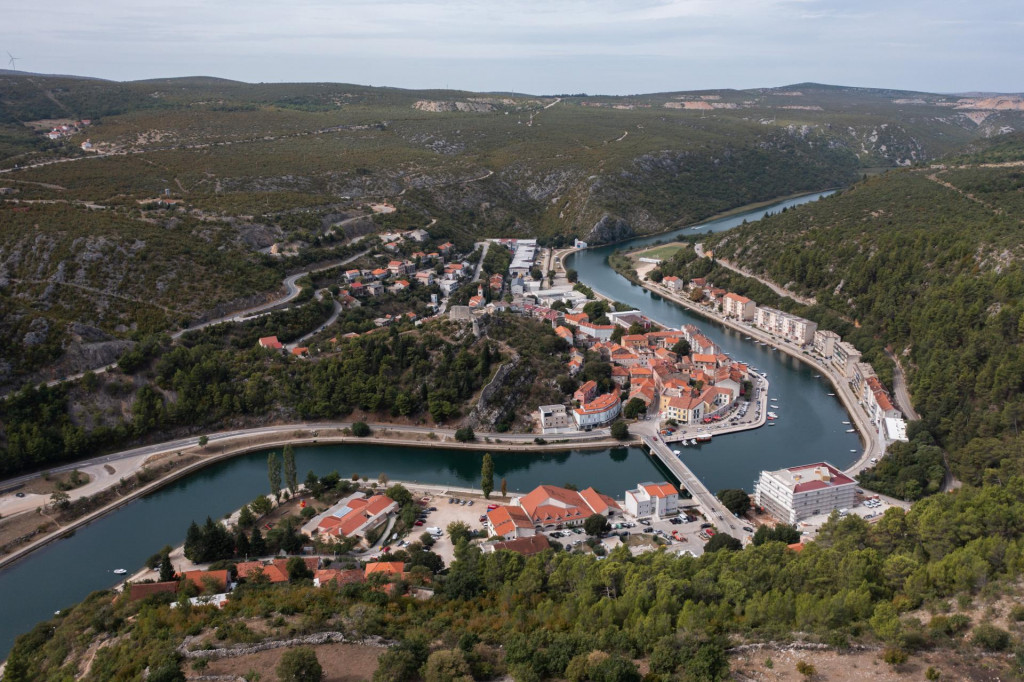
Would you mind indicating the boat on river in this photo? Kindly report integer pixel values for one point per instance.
(704, 438)
(851, 430)
(120, 571)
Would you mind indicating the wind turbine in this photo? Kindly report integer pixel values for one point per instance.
(14, 67)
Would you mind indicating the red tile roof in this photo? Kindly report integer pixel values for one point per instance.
(389, 567)
(661, 489)
(507, 519)
(271, 342)
(199, 578)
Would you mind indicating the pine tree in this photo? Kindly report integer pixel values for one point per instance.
(257, 545)
(291, 476)
(274, 474)
(487, 476)
(242, 548)
(166, 569)
(193, 542)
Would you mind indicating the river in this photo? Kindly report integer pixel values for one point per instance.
(809, 429)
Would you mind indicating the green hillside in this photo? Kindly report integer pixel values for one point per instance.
(929, 262)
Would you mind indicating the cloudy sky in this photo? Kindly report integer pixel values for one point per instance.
(535, 46)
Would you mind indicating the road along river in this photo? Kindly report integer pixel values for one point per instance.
(809, 429)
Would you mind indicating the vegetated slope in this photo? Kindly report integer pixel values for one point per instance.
(107, 274)
(942, 577)
(929, 261)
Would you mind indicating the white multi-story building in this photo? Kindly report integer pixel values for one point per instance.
(601, 410)
(652, 499)
(553, 417)
(740, 307)
(845, 357)
(825, 341)
(796, 493)
(790, 327)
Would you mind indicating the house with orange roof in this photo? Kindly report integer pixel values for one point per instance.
(337, 577)
(577, 318)
(379, 273)
(270, 342)
(574, 366)
(526, 546)
(509, 523)
(644, 390)
(400, 285)
(219, 579)
(653, 499)
(634, 341)
(601, 332)
(672, 282)
(585, 392)
(564, 333)
(704, 361)
(624, 356)
(389, 568)
(687, 408)
(601, 410)
(548, 506)
(137, 591)
(352, 275)
(620, 375)
(300, 351)
(353, 516)
(425, 277)
(738, 307)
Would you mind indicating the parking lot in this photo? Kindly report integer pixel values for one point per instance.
(869, 507)
(447, 511)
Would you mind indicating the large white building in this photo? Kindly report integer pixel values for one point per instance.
(740, 307)
(601, 410)
(845, 357)
(790, 327)
(796, 493)
(553, 417)
(825, 341)
(652, 499)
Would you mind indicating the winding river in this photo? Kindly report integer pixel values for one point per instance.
(810, 428)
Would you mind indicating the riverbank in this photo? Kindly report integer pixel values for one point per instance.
(239, 443)
(850, 403)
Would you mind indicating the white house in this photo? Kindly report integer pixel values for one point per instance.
(652, 499)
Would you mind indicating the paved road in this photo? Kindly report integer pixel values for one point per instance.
(862, 421)
(899, 389)
(215, 438)
(485, 245)
(712, 507)
(806, 300)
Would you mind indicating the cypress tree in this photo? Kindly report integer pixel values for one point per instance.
(487, 476)
(257, 545)
(274, 474)
(291, 476)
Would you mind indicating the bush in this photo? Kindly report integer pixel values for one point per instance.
(991, 638)
(299, 665)
(620, 431)
(360, 429)
(465, 434)
(894, 656)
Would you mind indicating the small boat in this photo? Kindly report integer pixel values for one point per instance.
(771, 423)
(677, 452)
(831, 395)
(817, 376)
(847, 423)
(704, 438)
(851, 430)
(853, 451)
(120, 571)
(693, 441)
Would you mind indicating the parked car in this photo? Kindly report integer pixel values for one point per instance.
(748, 529)
(648, 529)
(705, 525)
(418, 523)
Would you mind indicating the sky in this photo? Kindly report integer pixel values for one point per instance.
(615, 47)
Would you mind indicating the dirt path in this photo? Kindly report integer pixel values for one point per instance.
(806, 300)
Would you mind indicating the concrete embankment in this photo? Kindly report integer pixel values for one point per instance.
(302, 435)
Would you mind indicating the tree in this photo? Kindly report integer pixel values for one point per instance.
(596, 524)
(735, 500)
(313, 484)
(780, 533)
(299, 665)
(360, 429)
(291, 476)
(166, 569)
(634, 408)
(298, 570)
(458, 531)
(722, 541)
(257, 544)
(274, 474)
(60, 499)
(465, 434)
(572, 275)
(446, 665)
(245, 517)
(620, 430)
(203, 440)
(487, 476)
(681, 347)
(504, 487)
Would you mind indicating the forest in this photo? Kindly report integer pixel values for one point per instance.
(911, 582)
(429, 373)
(924, 263)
